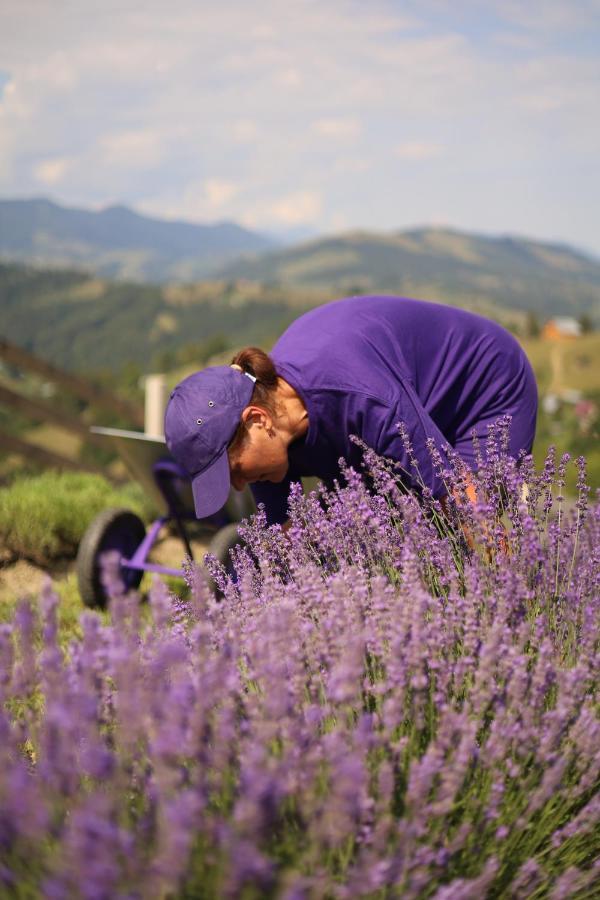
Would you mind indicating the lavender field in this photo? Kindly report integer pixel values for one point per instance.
(390, 700)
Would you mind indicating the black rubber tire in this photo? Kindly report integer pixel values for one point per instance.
(111, 529)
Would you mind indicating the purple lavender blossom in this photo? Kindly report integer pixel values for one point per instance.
(372, 706)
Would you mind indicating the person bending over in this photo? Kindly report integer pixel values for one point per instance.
(355, 366)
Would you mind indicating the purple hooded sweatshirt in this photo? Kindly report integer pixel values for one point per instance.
(363, 364)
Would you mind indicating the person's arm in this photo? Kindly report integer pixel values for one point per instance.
(472, 498)
(378, 427)
(421, 429)
(471, 495)
(424, 429)
(382, 433)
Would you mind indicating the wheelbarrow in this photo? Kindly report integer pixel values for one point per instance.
(148, 461)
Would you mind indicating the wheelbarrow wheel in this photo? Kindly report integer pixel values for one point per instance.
(225, 540)
(112, 529)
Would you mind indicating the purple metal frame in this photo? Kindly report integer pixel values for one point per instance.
(138, 560)
(170, 478)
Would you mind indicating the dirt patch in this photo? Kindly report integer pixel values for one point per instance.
(21, 578)
(169, 550)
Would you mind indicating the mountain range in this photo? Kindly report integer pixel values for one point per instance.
(480, 272)
(153, 304)
(119, 243)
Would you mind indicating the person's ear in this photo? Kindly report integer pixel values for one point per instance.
(256, 415)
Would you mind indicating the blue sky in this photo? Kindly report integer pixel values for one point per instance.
(328, 116)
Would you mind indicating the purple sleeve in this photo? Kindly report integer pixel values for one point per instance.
(380, 431)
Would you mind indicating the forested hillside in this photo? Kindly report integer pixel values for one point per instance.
(80, 321)
(116, 331)
(83, 323)
(467, 269)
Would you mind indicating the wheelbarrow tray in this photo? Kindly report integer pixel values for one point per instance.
(140, 452)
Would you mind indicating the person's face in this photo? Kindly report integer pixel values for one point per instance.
(263, 455)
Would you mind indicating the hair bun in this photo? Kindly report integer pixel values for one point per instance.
(257, 363)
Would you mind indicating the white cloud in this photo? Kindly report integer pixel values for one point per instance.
(415, 151)
(342, 128)
(51, 171)
(199, 200)
(219, 192)
(243, 110)
(262, 32)
(245, 131)
(290, 77)
(133, 148)
(351, 165)
(339, 222)
(297, 208)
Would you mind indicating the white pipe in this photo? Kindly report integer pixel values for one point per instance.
(156, 401)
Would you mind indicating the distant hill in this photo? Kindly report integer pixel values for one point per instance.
(84, 323)
(81, 321)
(470, 270)
(494, 275)
(119, 243)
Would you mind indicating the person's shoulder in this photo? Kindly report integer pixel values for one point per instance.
(351, 399)
(348, 368)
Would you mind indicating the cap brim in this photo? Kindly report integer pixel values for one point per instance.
(211, 487)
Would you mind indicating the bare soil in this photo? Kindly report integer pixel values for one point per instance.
(22, 578)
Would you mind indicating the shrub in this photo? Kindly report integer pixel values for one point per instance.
(44, 517)
(378, 707)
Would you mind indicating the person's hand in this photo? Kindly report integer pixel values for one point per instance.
(502, 542)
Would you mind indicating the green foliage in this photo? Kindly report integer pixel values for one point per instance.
(532, 325)
(570, 432)
(201, 351)
(43, 517)
(101, 327)
(468, 270)
(13, 422)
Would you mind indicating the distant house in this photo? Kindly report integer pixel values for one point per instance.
(561, 328)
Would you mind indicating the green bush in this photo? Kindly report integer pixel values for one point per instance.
(43, 517)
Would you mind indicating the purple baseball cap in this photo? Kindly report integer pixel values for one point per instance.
(201, 418)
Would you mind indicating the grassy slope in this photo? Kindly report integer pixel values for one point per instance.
(576, 360)
(81, 322)
(560, 366)
(487, 274)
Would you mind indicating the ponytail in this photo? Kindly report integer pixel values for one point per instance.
(260, 365)
(257, 363)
